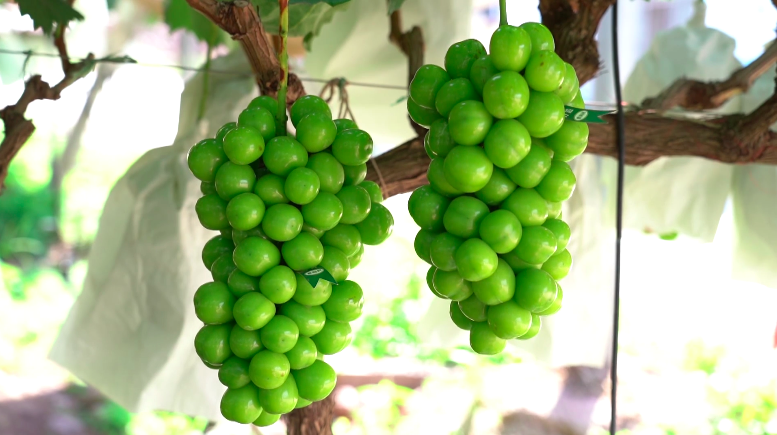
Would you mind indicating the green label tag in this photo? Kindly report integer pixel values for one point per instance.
(585, 115)
(313, 275)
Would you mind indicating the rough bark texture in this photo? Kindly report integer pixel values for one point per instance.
(315, 419)
(241, 21)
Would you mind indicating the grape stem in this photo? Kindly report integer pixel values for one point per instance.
(502, 12)
(283, 56)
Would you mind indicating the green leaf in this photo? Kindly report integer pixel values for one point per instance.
(46, 13)
(306, 17)
(394, 5)
(179, 15)
(111, 4)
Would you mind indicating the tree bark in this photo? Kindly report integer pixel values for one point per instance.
(314, 419)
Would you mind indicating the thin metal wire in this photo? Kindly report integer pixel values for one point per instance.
(128, 61)
(620, 137)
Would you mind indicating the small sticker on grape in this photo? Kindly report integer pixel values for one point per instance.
(316, 274)
(586, 115)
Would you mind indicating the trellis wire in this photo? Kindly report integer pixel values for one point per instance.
(620, 138)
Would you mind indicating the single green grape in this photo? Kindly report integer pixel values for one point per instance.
(244, 343)
(283, 154)
(377, 226)
(498, 287)
(535, 290)
(270, 189)
(545, 71)
(506, 95)
(222, 268)
(555, 307)
(541, 38)
(266, 102)
(510, 48)
(253, 311)
(461, 55)
(315, 382)
(554, 210)
(307, 105)
(436, 176)
(558, 184)
(482, 70)
(570, 140)
(467, 168)
(531, 169)
(544, 115)
(336, 263)
(280, 334)
(268, 369)
(537, 245)
(439, 138)
(278, 284)
(346, 302)
(507, 143)
(475, 260)
(345, 124)
(223, 130)
(473, 309)
(483, 340)
(254, 256)
(441, 250)
(281, 400)
(303, 252)
(376, 195)
(302, 185)
(469, 122)
(459, 319)
(266, 419)
(451, 285)
(422, 244)
(205, 158)
(356, 204)
(241, 405)
(558, 264)
(234, 373)
(560, 230)
(422, 116)
(212, 343)
(354, 175)
(233, 179)
(452, 93)
(333, 337)
(239, 235)
(215, 248)
(324, 212)
(245, 211)
(426, 83)
(312, 230)
(316, 132)
(526, 204)
(244, 145)
(501, 230)
(330, 172)
(352, 147)
(239, 283)
(303, 354)
(260, 119)
(345, 238)
(427, 208)
(570, 86)
(212, 212)
(508, 320)
(309, 319)
(213, 303)
(430, 282)
(516, 263)
(498, 188)
(464, 215)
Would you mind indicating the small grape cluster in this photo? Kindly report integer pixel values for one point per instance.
(490, 217)
(288, 209)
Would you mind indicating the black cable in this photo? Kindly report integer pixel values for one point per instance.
(620, 137)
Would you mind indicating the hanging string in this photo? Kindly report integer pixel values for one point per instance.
(620, 137)
(327, 94)
(129, 61)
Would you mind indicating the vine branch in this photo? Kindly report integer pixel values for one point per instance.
(242, 22)
(18, 129)
(697, 95)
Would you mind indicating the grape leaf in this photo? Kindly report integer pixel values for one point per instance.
(394, 5)
(306, 18)
(46, 13)
(179, 15)
(111, 4)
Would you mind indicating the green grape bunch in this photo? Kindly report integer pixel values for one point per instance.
(490, 216)
(285, 207)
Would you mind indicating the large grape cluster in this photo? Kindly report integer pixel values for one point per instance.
(490, 217)
(284, 206)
